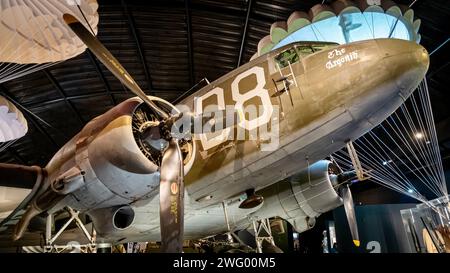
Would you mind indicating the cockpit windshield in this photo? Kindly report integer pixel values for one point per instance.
(300, 50)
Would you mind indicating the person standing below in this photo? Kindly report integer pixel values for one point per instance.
(325, 242)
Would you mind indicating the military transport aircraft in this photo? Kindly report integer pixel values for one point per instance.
(139, 181)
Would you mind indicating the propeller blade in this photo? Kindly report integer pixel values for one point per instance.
(346, 195)
(109, 61)
(171, 199)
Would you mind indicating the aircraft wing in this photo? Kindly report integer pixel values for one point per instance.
(15, 215)
(15, 182)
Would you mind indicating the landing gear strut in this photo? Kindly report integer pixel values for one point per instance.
(50, 239)
(263, 233)
(230, 233)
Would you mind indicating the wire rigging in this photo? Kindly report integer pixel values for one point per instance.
(402, 153)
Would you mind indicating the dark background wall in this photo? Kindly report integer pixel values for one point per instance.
(377, 224)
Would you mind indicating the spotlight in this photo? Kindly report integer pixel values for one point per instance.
(410, 191)
(386, 162)
(419, 135)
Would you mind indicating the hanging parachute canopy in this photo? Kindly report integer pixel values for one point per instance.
(13, 125)
(343, 21)
(34, 36)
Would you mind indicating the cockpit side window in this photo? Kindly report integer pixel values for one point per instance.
(288, 56)
(293, 54)
(305, 50)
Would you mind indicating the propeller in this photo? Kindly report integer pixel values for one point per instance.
(344, 180)
(171, 186)
(346, 196)
(171, 192)
(109, 61)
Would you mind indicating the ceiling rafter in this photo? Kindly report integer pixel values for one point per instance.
(101, 75)
(189, 42)
(138, 43)
(16, 156)
(61, 92)
(85, 96)
(244, 33)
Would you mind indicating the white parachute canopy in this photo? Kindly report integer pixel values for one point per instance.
(33, 34)
(13, 125)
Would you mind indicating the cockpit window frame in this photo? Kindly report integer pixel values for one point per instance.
(284, 61)
(299, 55)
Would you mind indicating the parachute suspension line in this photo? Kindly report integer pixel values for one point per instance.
(422, 177)
(432, 126)
(6, 145)
(390, 174)
(398, 18)
(414, 142)
(431, 153)
(21, 107)
(371, 26)
(317, 31)
(402, 153)
(381, 175)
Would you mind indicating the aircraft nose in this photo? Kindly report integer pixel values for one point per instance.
(423, 55)
(419, 56)
(395, 47)
(406, 61)
(401, 66)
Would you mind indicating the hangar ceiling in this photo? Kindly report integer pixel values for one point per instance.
(170, 46)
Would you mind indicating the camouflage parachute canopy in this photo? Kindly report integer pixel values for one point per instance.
(343, 21)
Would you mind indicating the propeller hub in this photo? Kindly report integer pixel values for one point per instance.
(346, 178)
(151, 134)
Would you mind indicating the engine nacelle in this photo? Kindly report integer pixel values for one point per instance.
(302, 197)
(118, 166)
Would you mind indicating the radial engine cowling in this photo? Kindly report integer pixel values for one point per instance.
(118, 166)
(315, 186)
(302, 197)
